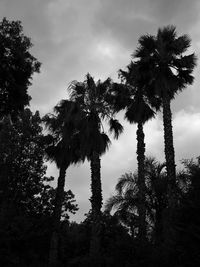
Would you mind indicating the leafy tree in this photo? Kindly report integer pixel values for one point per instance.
(16, 69)
(26, 198)
(94, 109)
(168, 71)
(22, 160)
(117, 245)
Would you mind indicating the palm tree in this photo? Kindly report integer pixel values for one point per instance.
(139, 109)
(94, 109)
(63, 148)
(126, 200)
(168, 71)
(156, 181)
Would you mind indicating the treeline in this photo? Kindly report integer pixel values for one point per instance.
(152, 220)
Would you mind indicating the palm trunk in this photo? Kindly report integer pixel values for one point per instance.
(53, 253)
(171, 174)
(96, 202)
(141, 182)
(169, 150)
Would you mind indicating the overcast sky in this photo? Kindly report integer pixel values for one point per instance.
(73, 37)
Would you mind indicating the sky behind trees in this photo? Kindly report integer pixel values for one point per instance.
(73, 37)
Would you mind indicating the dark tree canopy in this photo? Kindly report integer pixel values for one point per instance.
(24, 188)
(27, 198)
(17, 66)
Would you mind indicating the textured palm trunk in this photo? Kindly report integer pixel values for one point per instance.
(168, 244)
(169, 150)
(96, 202)
(53, 253)
(141, 182)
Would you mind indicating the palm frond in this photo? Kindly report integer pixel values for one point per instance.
(126, 181)
(103, 87)
(119, 96)
(77, 91)
(115, 127)
(146, 46)
(188, 62)
(113, 202)
(139, 112)
(181, 44)
(167, 34)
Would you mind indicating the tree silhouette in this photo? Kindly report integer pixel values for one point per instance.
(63, 149)
(157, 197)
(187, 219)
(94, 108)
(16, 69)
(168, 71)
(126, 200)
(140, 107)
(21, 162)
(26, 197)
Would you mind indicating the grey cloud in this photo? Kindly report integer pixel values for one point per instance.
(126, 20)
(60, 32)
(31, 13)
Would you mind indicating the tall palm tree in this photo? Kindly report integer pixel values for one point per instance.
(94, 109)
(168, 71)
(62, 148)
(139, 109)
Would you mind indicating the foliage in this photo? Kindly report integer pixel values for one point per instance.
(116, 243)
(140, 105)
(162, 58)
(94, 108)
(16, 69)
(26, 197)
(187, 219)
(125, 201)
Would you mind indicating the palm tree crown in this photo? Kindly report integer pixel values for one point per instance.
(63, 138)
(92, 100)
(140, 105)
(167, 69)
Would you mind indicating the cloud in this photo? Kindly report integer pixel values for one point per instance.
(72, 38)
(126, 20)
(186, 134)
